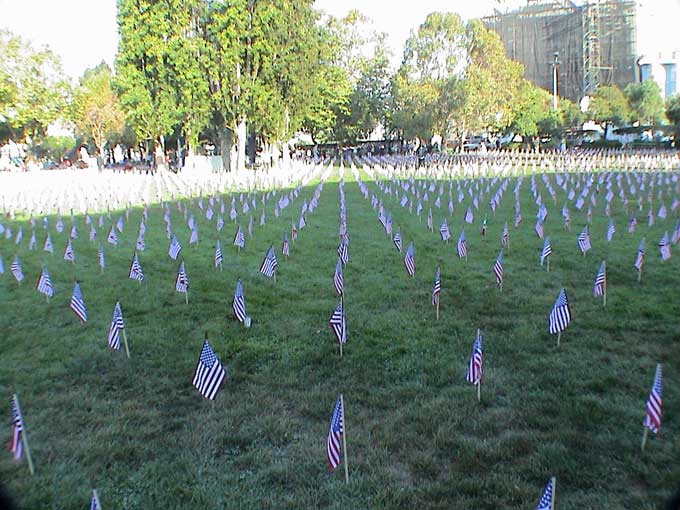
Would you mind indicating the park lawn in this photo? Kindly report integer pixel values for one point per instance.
(137, 431)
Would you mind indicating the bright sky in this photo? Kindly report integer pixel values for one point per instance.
(84, 32)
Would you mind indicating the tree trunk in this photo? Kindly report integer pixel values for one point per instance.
(226, 145)
(241, 136)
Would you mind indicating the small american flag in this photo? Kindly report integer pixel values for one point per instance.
(15, 268)
(653, 408)
(600, 281)
(498, 269)
(539, 229)
(546, 251)
(436, 288)
(444, 231)
(68, 252)
(117, 325)
(47, 245)
(397, 240)
(409, 260)
(218, 254)
(135, 272)
(220, 223)
(44, 284)
(182, 282)
(429, 220)
(74, 232)
(343, 250)
(239, 303)
(505, 236)
(77, 303)
(174, 248)
(338, 281)
(676, 233)
(474, 368)
(33, 242)
(640, 256)
(209, 373)
(113, 238)
(611, 230)
(119, 224)
(462, 245)
(94, 502)
(335, 432)
(239, 237)
(193, 238)
(100, 257)
(338, 324)
(560, 315)
(469, 217)
(631, 224)
(546, 501)
(285, 245)
(293, 231)
(583, 240)
(15, 441)
(140, 245)
(268, 267)
(665, 247)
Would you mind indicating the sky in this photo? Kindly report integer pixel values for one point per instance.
(84, 32)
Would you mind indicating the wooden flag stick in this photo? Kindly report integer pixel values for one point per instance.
(548, 264)
(639, 275)
(554, 486)
(645, 433)
(340, 349)
(127, 349)
(186, 297)
(24, 436)
(96, 499)
(479, 390)
(559, 336)
(604, 264)
(344, 437)
(437, 307)
(48, 298)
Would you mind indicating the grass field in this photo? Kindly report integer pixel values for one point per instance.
(137, 431)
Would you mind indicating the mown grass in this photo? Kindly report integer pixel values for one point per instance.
(417, 438)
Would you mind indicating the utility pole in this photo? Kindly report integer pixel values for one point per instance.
(555, 65)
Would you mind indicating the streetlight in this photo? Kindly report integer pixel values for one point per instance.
(555, 63)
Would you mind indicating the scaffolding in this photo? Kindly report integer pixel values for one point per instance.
(595, 41)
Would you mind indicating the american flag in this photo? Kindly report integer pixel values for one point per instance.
(397, 240)
(239, 237)
(546, 501)
(664, 247)
(293, 231)
(444, 231)
(193, 238)
(117, 325)
(268, 267)
(498, 269)
(462, 245)
(100, 257)
(335, 432)
(218, 254)
(15, 441)
(182, 282)
(135, 272)
(343, 250)
(113, 238)
(474, 368)
(220, 223)
(505, 236)
(59, 225)
(174, 248)
(209, 373)
(44, 284)
(285, 245)
(68, 252)
(611, 230)
(239, 303)
(94, 502)
(302, 223)
(583, 240)
(250, 227)
(676, 233)
(140, 245)
(600, 281)
(653, 408)
(560, 315)
(47, 245)
(409, 260)
(338, 281)
(15, 268)
(429, 220)
(338, 324)
(33, 242)
(547, 250)
(469, 217)
(640, 257)
(2, 266)
(518, 218)
(539, 228)
(77, 303)
(631, 224)
(74, 232)
(436, 288)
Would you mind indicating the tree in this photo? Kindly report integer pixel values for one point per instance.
(609, 106)
(673, 114)
(96, 111)
(33, 90)
(571, 113)
(646, 104)
(532, 105)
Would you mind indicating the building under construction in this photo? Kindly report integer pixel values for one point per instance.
(591, 43)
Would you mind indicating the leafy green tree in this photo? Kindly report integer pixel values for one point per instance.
(95, 109)
(532, 105)
(646, 104)
(33, 90)
(571, 113)
(609, 106)
(673, 114)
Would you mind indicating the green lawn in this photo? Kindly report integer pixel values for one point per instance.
(137, 431)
